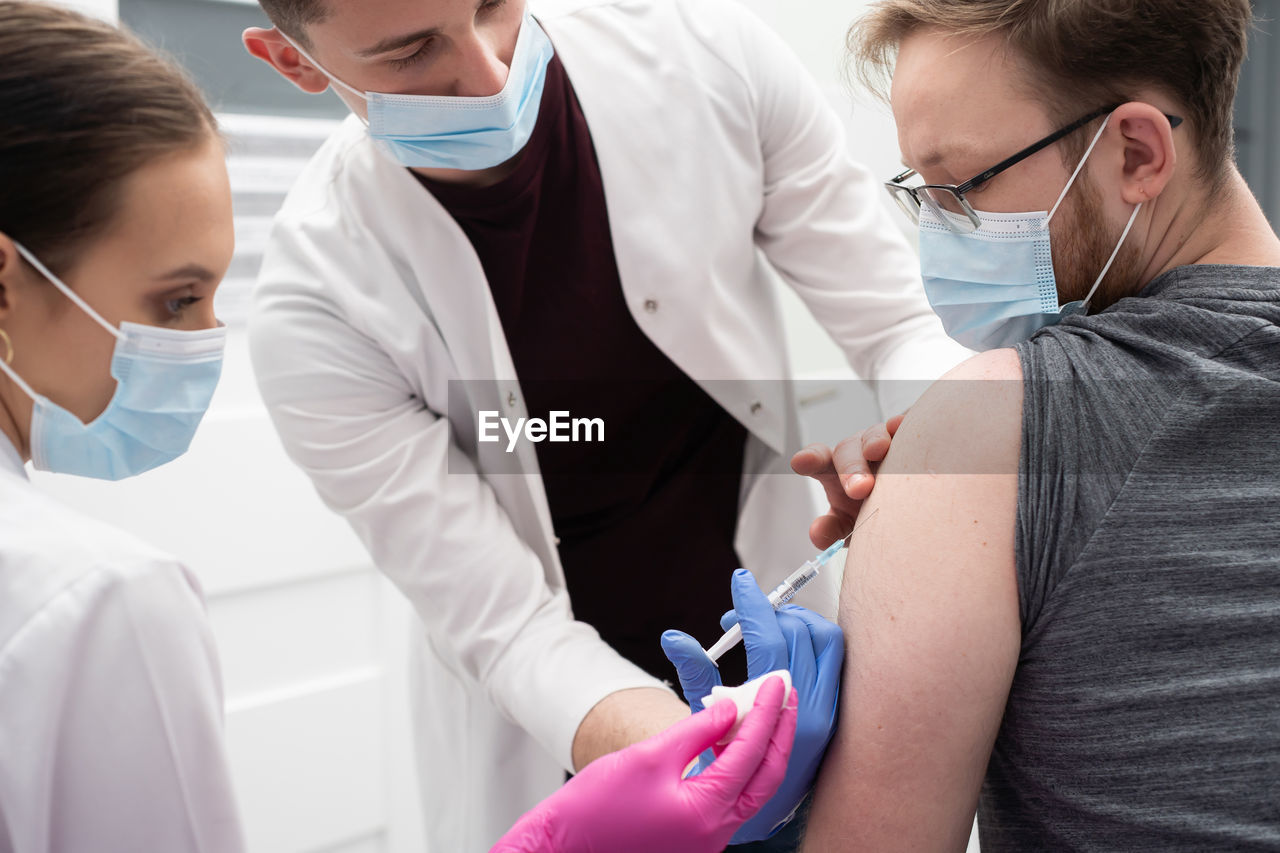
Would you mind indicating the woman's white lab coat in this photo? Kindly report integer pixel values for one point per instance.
(110, 697)
(719, 158)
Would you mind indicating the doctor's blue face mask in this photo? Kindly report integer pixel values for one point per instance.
(442, 132)
(165, 379)
(994, 285)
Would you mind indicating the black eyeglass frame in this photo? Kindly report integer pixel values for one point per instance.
(895, 186)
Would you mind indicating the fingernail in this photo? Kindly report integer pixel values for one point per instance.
(853, 479)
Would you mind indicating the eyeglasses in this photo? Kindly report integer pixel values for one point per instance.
(947, 201)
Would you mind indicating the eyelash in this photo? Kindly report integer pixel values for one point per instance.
(421, 53)
(413, 59)
(181, 303)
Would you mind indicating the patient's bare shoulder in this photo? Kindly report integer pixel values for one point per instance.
(929, 606)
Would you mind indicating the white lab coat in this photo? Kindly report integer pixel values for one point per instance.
(719, 158)
(110, 697)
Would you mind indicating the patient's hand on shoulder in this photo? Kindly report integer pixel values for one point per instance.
(847, 475)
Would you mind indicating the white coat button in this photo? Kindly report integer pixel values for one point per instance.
(511, 399)
(557, 538)
(651, 305)
(756, 407)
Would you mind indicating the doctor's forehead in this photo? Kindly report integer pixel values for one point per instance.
(958, 100)
(368, 21)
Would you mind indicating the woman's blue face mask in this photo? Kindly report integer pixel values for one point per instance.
(165, 379)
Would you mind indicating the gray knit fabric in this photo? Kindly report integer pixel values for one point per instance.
(1145, 712)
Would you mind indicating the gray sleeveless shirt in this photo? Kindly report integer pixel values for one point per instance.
(1145, 711)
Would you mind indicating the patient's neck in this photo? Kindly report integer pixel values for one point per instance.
(1229, 228)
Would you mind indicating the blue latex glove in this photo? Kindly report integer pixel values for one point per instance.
(792, 638)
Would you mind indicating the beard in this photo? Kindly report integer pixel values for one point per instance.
(1086, 243)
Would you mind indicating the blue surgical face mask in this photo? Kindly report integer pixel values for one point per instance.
(164, 381)
(995, 286)
(441, 132)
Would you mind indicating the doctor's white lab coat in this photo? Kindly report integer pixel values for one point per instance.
(719, 158)
(110, 696)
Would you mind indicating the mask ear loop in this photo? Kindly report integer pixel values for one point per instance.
(332, 79)
(1132, 217)
(1079, 166)
(18, 380)
(70, 294)
(10, 372)
(67, 291)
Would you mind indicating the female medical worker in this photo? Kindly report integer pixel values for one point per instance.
(115, 229)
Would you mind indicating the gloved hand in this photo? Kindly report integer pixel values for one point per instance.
(634, 801)
(792, 638)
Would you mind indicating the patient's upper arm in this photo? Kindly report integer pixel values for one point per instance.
(929, 607)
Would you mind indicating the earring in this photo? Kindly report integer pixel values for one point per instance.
(4, 336)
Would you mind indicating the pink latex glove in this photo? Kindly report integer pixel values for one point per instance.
(634, 801)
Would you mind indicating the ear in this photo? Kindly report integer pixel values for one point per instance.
(10, 262)
(272, 48)
(1149, 154)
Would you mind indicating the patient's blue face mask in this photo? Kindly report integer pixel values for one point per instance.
(165, 379)
(995, 286)
(441, 132)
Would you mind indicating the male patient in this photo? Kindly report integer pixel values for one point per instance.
(1062, 603)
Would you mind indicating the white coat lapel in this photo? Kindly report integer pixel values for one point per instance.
(455, 295)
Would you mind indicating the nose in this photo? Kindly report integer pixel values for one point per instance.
(206, 317)
(481, 70)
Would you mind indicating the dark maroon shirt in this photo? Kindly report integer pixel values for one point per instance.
(646, 518)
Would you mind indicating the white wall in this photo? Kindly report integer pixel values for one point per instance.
(818, 38)
(105, 9)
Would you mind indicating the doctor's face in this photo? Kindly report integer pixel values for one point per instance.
(959, 112)
(457, 48)
(158, 263)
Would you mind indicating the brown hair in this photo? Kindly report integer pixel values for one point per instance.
(1085, 54)
(83, 105)
(292, 16)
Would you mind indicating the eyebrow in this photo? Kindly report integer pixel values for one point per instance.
(394, 43)
(188, 271)
(936, 156)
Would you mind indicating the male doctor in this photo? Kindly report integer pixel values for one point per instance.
(576, 210)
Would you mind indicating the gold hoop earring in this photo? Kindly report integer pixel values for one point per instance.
(8, 358)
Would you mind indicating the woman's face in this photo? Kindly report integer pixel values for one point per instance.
(158, 263)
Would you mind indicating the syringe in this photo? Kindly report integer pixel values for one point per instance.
(781, 594)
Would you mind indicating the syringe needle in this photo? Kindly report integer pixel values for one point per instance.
(780, 595)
